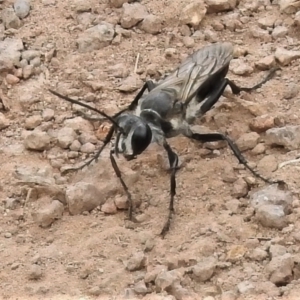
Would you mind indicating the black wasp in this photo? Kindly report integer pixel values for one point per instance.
(169, 108)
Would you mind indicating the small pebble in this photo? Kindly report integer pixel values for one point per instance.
(35, 272)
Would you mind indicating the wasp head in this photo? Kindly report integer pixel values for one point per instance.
(136, 137)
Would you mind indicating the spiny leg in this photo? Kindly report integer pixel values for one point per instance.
(118, 173)
(236, 89)
(213, 137)
(173, 161)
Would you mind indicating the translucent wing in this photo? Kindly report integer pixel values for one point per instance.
(189, 76)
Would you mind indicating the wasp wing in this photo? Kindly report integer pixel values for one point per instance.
(193, 72)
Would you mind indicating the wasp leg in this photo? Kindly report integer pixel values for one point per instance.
(173, 161)
(96, 156)
(213, 137)
(236, 89)
(118, 173)
(149, 85)
(214, 96)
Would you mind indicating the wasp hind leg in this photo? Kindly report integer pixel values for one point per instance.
(236, 89)
(213, 137)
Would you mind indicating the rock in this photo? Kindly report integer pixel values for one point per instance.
(152, 274)
(35, 272)
(33, 122)
(193, 13)
(170, 52)
(88, 148)
(30, 54)
(279, 32)
(140, 288)
(50, 190)
(96, 37)
(287, 136)
(11, 203)
(36, 62)
(258, 254)
(261, 34)
(204, 270)
(151, 24)
(248, 141)
(4, 123)
(291, 91)
(46, 216)
(35, 175)
(267, 164)
(87, 137)
(277, 250)
(37, 140)
(271, 216)
(136, 262)
(238, 67)
(266, 63)
(119, 70)
(83, 196)
(133, 14)
(131, 84)
(48, 114)
(280, 269)
(119, 3)
(66, 137)
(95, 291)
(259, 149)
(246, 288)
(233, 205)
(262, 123)
(216, 6)
(75, 146)
(228, 174)
(22, 8)
(240, 188)
(165, 280)
(297, 19)
(267, 22)
(229, 295)
(236, 253)
(109, 207)
(10, 53)
(188, 41)
(10, 19)
(268, 288)
(289, 6)
(79, 124)
(285, 57)
(7, 235)
(82, 6)
(27, 71)
(12, 79)
(121, 202)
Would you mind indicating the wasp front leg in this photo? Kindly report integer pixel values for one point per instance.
(173, 161)
(119, 175)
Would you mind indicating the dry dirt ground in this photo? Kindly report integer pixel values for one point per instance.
(85, 256)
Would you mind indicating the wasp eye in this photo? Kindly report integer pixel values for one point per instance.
(141, 138)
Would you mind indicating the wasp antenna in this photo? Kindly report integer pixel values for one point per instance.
(87, 106)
